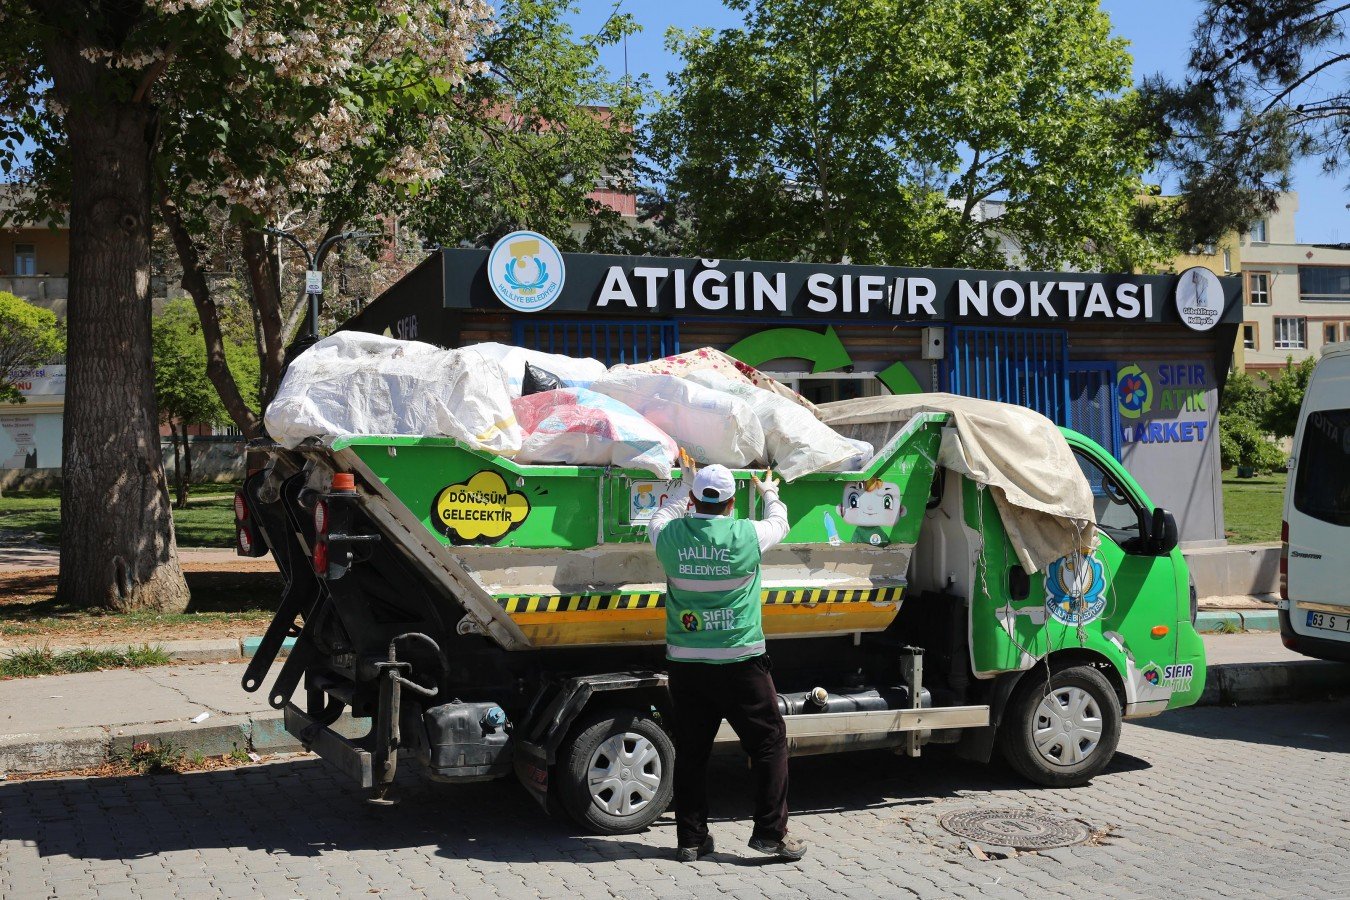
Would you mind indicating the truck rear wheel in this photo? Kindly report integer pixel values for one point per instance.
(617, 776)
(1063, 733)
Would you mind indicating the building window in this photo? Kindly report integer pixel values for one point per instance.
(1322, 283)
(1329, 333)
(25, 259)
(1258, 288)
(1258, 232)
(1291, 333)
(1227, 260)
(1249, 335)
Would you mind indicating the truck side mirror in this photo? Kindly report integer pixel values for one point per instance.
(1162, 533)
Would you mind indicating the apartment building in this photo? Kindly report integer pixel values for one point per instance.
(1296, 297)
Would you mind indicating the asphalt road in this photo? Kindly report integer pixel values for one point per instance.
(1213, 802)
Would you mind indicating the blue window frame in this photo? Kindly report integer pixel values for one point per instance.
(613, 341)
(1025, 366)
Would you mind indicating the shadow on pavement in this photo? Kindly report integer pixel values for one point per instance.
(302, 808)
(1308, 726)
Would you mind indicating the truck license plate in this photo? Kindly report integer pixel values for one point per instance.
(1330, 621)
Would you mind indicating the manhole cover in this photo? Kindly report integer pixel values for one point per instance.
(1017, 828)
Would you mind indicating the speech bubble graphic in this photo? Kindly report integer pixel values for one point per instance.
(481, 510)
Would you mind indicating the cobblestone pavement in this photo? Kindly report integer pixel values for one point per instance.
(1211, 802)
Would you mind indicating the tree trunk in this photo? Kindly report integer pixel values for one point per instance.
(177, 466)
(117, 538)
(194, 282)
(260, 264)
(186, 485)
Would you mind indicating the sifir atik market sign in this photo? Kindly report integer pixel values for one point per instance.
(525, 273)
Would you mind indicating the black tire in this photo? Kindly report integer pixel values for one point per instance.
(1023, 715)
(634, 732)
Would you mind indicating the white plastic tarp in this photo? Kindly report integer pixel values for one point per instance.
(712, 426)
(574, 426)
(574, 371)
(1042, 496)
(796, 443)
(357, 383)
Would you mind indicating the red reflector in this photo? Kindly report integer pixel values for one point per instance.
(1284, 560)
(321, 518)
(240, 507)
(321, 558)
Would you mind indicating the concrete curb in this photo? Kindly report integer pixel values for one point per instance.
(203, 651)
(77, 748)
(1237, 684)
(1220, 620)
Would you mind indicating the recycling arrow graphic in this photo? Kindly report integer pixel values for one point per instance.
(825, 351)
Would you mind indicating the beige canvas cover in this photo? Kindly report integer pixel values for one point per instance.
(1042, 496)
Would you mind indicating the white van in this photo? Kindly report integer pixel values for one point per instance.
(1315, 563)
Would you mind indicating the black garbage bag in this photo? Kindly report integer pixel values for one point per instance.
(538, 380)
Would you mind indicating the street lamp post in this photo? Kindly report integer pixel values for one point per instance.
(314, 281)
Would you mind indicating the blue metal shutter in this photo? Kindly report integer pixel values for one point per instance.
(613, 342)
(1025, 366)
(1092, 403)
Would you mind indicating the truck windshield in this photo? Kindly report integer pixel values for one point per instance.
(1322, 487)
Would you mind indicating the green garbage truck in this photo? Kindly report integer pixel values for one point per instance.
(490, 618)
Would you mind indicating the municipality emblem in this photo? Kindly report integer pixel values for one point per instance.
(526, 271)
(1075, 590)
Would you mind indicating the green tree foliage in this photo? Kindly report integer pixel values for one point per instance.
(873, 130)
(1243, 443)
(29, 337)
(183, 391)
(1286, 396)
(1268, 83)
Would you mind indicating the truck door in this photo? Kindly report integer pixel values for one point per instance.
(1110, 604)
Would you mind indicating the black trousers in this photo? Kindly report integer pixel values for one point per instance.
(743, 693)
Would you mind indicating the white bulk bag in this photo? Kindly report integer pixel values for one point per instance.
(796, 443)
(357, 383)
(575, 371)
(578, 427)
(712, 426)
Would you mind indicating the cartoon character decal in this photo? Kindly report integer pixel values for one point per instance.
(872, 506)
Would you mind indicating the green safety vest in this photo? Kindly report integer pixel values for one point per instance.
(712, 595)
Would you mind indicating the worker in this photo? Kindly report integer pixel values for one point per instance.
(715, 649)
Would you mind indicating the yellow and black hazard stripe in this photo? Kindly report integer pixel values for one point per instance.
(539, 603)
(536, 603)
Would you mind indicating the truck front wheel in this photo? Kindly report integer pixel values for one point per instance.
(617, 776)
(1062, 733)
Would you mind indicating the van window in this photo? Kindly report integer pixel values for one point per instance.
(1117, 515)
(1322, 488)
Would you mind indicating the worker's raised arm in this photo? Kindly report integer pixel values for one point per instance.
(677, 504)
(774, 526)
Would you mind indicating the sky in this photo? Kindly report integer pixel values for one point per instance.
(1159, 33)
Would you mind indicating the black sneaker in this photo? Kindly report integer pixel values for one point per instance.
(691, 854)
(788, 848)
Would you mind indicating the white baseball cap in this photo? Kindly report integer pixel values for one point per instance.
(714, 484)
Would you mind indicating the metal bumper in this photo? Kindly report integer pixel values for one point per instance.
(332, 747)
(879, 722)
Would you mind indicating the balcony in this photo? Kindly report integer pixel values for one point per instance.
(36, 287)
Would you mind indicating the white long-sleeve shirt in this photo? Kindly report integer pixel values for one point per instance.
(770, 530)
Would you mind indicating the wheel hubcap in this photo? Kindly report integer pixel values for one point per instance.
(1067, 726)
(624, 774)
